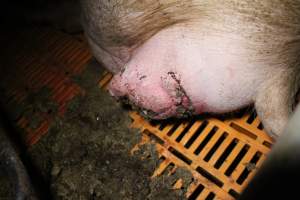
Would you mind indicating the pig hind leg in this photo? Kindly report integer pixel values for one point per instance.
(276, 98)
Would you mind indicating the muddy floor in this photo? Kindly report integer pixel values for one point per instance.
(86, 154)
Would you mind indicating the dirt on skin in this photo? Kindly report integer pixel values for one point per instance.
(86, 155)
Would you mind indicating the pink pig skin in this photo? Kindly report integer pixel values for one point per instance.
(176, 73)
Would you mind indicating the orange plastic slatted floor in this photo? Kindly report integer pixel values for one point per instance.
(222, 155)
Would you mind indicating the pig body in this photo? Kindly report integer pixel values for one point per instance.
(176, 58)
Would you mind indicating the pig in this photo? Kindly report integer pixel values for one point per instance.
(176, 58)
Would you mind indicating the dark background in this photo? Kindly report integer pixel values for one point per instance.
(62, 14)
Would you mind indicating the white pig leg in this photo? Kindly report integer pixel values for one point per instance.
(275, 99)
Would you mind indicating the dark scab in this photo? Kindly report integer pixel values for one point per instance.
(143, 77)
(182, 111)
(173, 75)
(179, 92)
